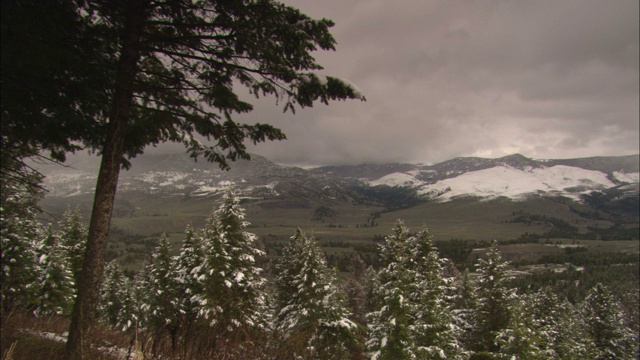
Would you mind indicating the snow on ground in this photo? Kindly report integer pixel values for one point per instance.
(396, 179)
(221, 186)
(627, 177)
(167, 177)
(507, 181)
(62, 177)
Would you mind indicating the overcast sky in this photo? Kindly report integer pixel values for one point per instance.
(547, 79)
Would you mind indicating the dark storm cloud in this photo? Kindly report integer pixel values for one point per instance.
(443, 78)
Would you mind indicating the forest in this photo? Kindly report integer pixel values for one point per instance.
(221, 297)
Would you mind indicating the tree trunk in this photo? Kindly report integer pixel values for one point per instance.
(82, 318)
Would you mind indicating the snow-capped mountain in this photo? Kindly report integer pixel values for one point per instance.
(515, 176)
(511, 182)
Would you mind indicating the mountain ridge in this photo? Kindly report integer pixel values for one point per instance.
(260, 178)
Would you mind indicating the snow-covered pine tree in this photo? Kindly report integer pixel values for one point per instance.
(389, 326)
(233, 298)
(190, 272)
(558, 326)
(73, 232)
(132, 315)
(371, 286)
(494, 299)
(464, 305)
(311, 314)
(56, 286)
(521, 338)
(19, 232)
(160, 297)
(435, 332)
(355, 289)
(112, 295)
(413, 320)
(605, 327)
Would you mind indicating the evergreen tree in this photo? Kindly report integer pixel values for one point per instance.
(190, 273)
(73, 233)
(521, 338)
(56, 293)
(494, 299)
(172, 69)
(19, 232)
(557, 324)
(110, 295)
(465, 304)
(310, 310)
(435, 329)
(414, 321)
(605, 327)
(371, 285)
(132, 314)
(355, 289)
(117, 305)
(160, 297)
(52, 86)
(233, 299)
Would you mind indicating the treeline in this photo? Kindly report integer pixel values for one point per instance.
(562, 229)
(40, 266)
(214, 299)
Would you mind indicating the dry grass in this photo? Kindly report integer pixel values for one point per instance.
(26, 337)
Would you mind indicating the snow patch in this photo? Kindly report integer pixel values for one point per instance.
(627, 177)
(506, 181)
(396, 179)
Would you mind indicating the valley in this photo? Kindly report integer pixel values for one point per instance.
(351, 209)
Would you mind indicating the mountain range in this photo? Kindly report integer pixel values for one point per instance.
(515, 177)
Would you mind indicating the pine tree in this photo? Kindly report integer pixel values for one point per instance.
(435, 329)
(19, 232)
(160, 297)
(355, 289)
(310, 310)
(605, 326)
(414, 320)
(371, 285)
(521, 338)
(169, 70)
(132, 314)
(56, 292)
(190, 273)
(233, 299)
(73, 233)
(110, 299)
(494, 299)
(465, 304)
(557, 324)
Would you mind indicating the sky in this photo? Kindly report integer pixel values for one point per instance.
(443, 79)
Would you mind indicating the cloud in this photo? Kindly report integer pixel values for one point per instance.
(547, 79)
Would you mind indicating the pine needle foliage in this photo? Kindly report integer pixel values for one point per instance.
(310, 310)
(232, 298)
(413, 320)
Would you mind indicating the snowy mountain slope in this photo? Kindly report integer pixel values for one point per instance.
(507, 181)
(517, 177)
